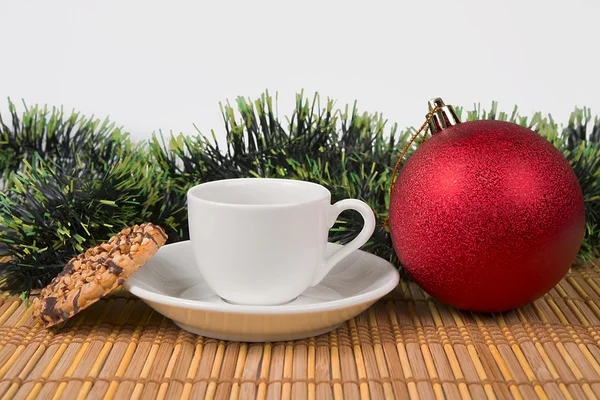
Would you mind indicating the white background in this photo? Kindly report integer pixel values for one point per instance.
(167, 64)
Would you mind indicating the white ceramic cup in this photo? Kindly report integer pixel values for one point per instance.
(262, 241)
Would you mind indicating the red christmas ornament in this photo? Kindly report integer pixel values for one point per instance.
(486, 215)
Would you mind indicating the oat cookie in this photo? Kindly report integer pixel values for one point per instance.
(97, 272)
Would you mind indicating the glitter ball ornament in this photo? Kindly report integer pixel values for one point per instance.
(485, 215)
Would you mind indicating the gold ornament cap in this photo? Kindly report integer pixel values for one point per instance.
(443, 117)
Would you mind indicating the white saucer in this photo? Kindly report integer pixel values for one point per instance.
(171, 284)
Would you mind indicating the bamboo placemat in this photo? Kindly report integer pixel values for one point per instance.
(405, 346)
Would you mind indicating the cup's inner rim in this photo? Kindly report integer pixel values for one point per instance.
(309, 191)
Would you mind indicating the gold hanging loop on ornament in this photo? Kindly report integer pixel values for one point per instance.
(424, 127)
(440, 116)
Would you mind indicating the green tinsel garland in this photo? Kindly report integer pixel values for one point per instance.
(71, 182)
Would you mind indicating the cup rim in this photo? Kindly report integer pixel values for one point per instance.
(191, 193)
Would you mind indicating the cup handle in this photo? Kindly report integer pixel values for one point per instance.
(365, 234)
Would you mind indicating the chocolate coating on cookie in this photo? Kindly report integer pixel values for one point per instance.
(75, 304)
(114, 268)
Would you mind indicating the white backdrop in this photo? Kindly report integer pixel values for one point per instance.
(152, 65)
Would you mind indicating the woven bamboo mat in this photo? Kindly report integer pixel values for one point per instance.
(405, 346)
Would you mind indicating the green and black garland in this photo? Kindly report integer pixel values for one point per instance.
(70, 182)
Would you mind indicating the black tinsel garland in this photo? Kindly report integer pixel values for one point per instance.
(71, 182)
